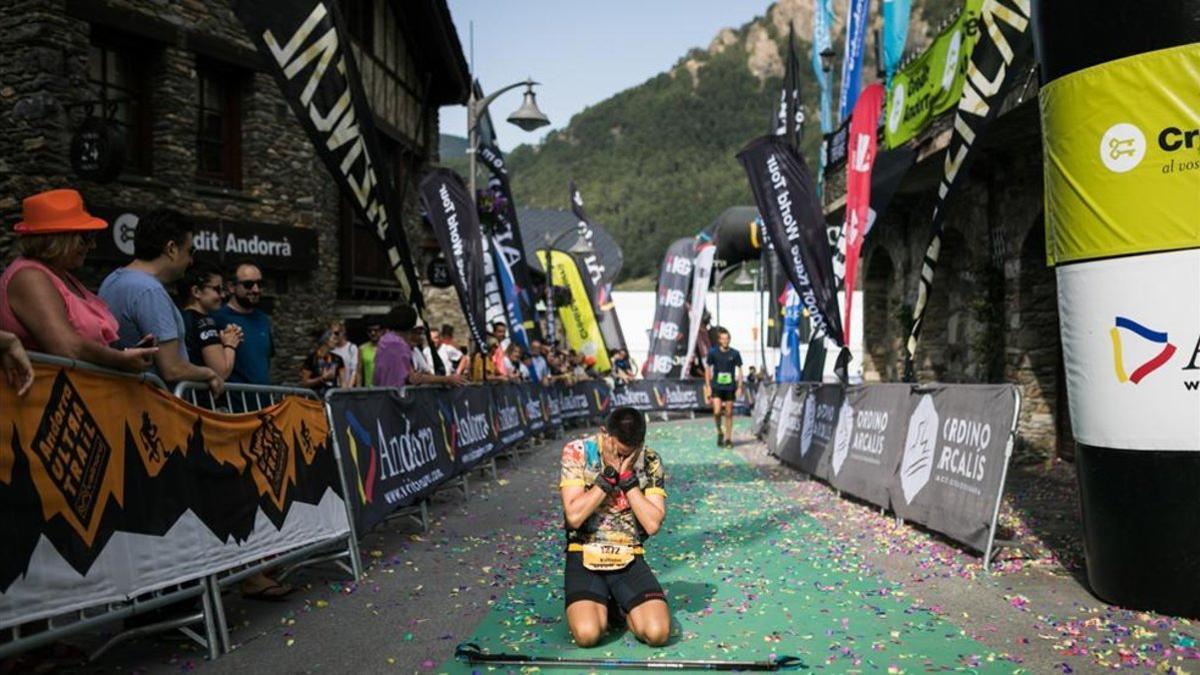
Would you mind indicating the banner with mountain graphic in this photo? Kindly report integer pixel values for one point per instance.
(111, 488)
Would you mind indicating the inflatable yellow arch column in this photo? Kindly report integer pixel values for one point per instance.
(1120, 112)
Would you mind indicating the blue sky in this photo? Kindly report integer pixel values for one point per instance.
(581, 51)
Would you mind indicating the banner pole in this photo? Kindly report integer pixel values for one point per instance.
(352, 538)
(1008, 451)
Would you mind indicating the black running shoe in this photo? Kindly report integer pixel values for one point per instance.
(729, 442)
(720, 439)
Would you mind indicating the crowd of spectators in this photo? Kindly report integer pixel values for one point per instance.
(214, 330)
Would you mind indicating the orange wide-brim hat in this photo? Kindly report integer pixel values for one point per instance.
(55, 212)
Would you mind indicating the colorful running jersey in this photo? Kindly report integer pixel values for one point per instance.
(613, 522)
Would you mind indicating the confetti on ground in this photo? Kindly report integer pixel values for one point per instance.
(748, 574)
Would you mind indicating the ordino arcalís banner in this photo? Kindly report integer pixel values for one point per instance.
(955, 455)
(779, 398)
(395, 449)
(578, 319)
(867, 444)
(812, 450)
(111, 488)
(787, 420)
(759, 416)
(931, 83)
(1121, 142)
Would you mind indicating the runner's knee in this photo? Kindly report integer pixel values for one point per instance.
(654, 631)
(587, 634)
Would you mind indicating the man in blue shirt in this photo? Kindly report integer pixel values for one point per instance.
(252, 365)
(162, 252)
(723, 384)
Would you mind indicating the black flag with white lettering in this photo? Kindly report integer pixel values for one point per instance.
(989, 76)
(787, 120)
(670, 328)
(307, 46)
(601, 273)
(786, 196)
(506, 231)
(456, 223)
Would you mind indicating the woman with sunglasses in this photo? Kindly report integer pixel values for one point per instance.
(42, 302)
(201, 294)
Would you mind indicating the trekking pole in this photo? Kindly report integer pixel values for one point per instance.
(472, 653)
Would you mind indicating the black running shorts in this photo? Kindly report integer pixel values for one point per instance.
(630, 586)
(728, 395)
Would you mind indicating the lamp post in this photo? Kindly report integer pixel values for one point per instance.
(528, 117)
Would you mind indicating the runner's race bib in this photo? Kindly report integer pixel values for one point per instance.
(724, 378)
(606, 557)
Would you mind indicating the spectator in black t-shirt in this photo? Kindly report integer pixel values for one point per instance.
(322, 370)
(200, 293)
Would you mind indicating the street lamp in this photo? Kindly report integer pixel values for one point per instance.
(528, 117)
(827, 55)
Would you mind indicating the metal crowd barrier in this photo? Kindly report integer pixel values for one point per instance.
(246, 398)
(22, 637)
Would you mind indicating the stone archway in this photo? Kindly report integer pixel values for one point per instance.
(1044, 425)
(882, 303)
(943, 353)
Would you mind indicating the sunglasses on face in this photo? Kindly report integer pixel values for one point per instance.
(250, 283)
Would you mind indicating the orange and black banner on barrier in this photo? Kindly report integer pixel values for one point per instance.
(111, 488)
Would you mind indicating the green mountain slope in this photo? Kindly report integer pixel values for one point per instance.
(656, 162)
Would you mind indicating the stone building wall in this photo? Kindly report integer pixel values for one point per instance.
(43, 74)
(992, 315)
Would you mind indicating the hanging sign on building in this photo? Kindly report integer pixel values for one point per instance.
(223, 242)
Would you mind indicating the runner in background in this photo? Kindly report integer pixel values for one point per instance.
(723, 384)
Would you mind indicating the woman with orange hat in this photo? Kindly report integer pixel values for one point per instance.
(43, 304)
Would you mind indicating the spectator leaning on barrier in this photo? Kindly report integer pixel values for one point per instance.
(449, 351)
(483, 366)
(500, 332)
(162, 252)
(434, 353)
(516, 370)
(539, 369)
(323, 369)
(394, 355)
(366, 351)
(18, 371)
(253, 362)
(43, 304)
(349, 353)
(200, 293)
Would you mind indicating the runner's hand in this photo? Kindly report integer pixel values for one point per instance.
(607, 480)
(630, 461)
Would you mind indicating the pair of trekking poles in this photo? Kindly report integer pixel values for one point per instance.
(472, 653)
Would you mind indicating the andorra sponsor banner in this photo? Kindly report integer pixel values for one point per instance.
(870, 435)
(812, 452)
(468, 409)
(956, 450)
(395, 449)
(111, 488)
(508, 415)
(536, 415)
(1131, 348)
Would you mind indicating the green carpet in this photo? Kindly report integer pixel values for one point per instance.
(747, 575)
